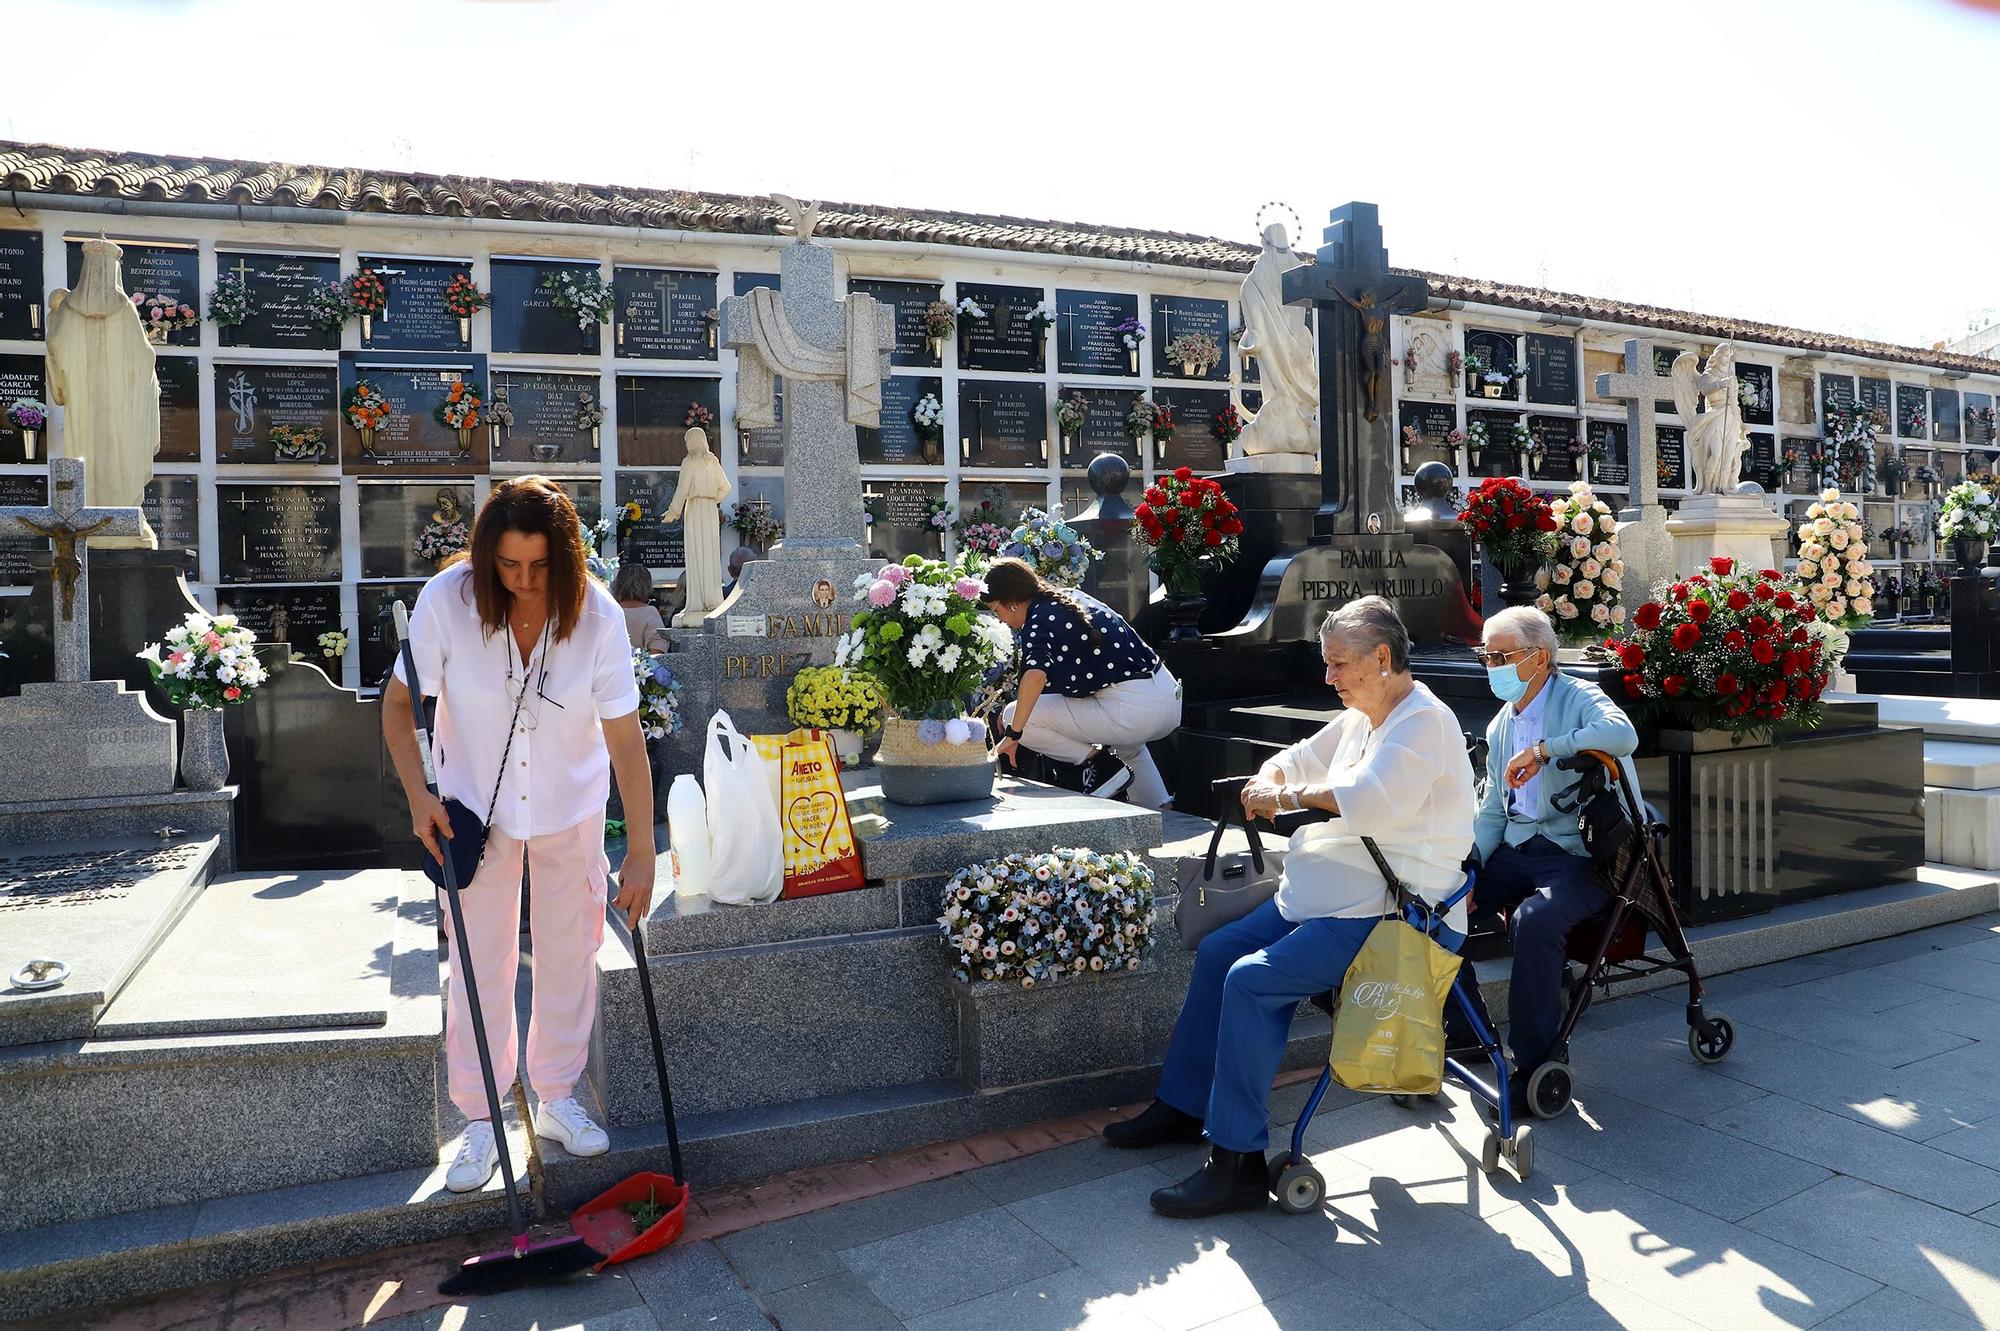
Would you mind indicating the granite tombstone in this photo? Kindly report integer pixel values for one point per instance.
(21, 279)
(1002, 423)
(278, 285)
(268, 413)
(278, 533)
(524, 315)
(543, 419)
(1004, 336)
(908, 300)
(1089, 339)
(897, 442)
(665, 313)
(416, 318)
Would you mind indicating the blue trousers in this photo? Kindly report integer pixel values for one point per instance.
(1248, 977)
(1550, 892)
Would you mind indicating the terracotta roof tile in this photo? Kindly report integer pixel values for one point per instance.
(45, 169)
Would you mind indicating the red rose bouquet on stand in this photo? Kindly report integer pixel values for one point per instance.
(1192, 531)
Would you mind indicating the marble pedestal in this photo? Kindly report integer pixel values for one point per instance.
(87, 740)
(1742, 527)
(1280, 464)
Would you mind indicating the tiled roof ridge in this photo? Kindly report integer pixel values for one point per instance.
(54, 170)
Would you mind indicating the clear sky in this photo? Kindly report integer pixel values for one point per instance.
(1830, 164)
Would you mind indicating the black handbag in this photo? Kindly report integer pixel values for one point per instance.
(1602, 820)
(467, 845)
(1219, 888)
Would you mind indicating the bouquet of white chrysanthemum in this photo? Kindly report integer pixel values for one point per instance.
(1035, 918)
(1833, 570)
(1583, 582)
(205, 662)
(659, 695)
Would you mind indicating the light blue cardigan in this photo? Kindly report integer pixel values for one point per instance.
(1576, 716)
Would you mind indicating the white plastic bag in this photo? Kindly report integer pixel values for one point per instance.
(687, 836)
(746, 854)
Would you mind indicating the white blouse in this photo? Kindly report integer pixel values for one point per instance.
(1406, 783)
(558, 771)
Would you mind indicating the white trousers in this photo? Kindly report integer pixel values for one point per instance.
(1123, 718)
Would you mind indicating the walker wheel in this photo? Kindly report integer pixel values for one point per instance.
(1711, 1041)
(1489, 1153)
(1522, 1153)
(1299, 1190)
(1549, 1090)
(1275, 1170)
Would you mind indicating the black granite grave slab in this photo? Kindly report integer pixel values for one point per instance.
(1498, 352)
(414, 442)
(653, 416)
(17, 567)
(1087, 336)
(765, 445)
(1663, 363)
(1671, 462)
(901, 513)
(656, 544)
(292, 615)
(1103, 428)
(1757, 391)
(1004, 339)
(665, 313)
(278, 533)
(897, 442)
(1912, 406)
(173, 510)
(279, 285)
(1434, 423)
(416, 318)
(525, 316)
(1944, 415)
(153, 269)
(1557, 436)
(375, 630)
(393, 516)
(1612, 467)
(909, 299)
(1193, 442)
(1836, 393)
(546, 431)
(180, 408)
(1003, 423)
(253, 399)
(1979, 425)
(22, 314)
(22, 376)
(1176, 315)
(1870, 393)
(1499, 457)
(1552, 369)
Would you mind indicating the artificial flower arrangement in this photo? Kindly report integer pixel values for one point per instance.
(589, 415)
(1916, 424)
(365, 408)
(1040, 319)
(583, 292)
(1071, 412)
(1511, 521)
(835, 698)
(928, 418)
(1476, 439)
(1228, 424)
(969, 310)
(599, 565)
(1139, 418)
(1968, 512)
(160, 315)
(333, 643)
(1582, 582)
(1059, 555)
(229, 301)
(1190, 528)
(298, 443)
(205, 662)
(754, 523)
(1130, 334)
(28, 413)
(463, 298)
(367, 293)
(939, 517)
(922, 636)
(940, 320)
(1726, 649)
(1833, 571)
(659, 694)
(441, 540)
(326, 307)
(1522, 440)
(980, 540)
(1036, 918)
(460, 408)
(698, 417)
(1195, 353)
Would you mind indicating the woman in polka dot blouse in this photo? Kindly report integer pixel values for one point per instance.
(1092, 692)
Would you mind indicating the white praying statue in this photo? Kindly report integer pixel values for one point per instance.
(697, 506)
(1705, 397)
(100, 370)
(1287, 369)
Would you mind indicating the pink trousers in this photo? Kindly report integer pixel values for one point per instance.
(567, 871)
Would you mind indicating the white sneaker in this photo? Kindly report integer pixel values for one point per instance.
(565, 1121)
(478, 1157)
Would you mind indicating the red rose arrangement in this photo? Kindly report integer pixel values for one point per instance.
(463, 298)
(1511, 521)
(367, 293)
(1190, 528)
(1725, 650)
(1228, 424)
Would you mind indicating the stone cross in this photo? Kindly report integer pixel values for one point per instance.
(68, 522)
(1356, 295)
(1640, 386)
(823, 505)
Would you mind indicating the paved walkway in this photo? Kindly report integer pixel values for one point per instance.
(1840, 1170)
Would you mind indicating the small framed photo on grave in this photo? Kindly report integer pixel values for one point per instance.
(22, 313)
(1006, 335)
(295, 616)
(1003, 423)
(375, 628)
(655, 412)
(173, 509)
(899, 441)
(1091, 328)
(276, 288)
(901, 518)
(267, 413)
(23, 377)
(278, 533)
(163, 280)
(545, 419)
(1103, 428)
(180, 407)
(416, 318)
(409, 529)
(657, 544)
(1194, 441)
(413, 441)
(1195, 318)
(665, 313)
(915, 349)
(525, 315)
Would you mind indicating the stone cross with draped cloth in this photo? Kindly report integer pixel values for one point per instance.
(833, 355)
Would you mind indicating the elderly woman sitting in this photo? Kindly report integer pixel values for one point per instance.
(1392, 767)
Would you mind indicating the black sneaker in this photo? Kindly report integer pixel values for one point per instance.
(1103, 776)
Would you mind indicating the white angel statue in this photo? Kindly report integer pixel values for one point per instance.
(1705, 397)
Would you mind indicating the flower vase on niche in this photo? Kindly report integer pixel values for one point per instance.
(937, 349)
(1970, 554)
(464, 440)
(204, 751)
(465, 330)
(28, 445)
(367, 329)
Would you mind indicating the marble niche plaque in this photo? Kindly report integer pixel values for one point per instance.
(413, 442)
(1003, 502)
(1434, 423)
(1978, 420)
(1103, 428)
(1426, 367)
(21, 278)
(294, 615)
(525, 316)
(1499, 457)
(1087, 336)
(278, 533)
(394, 516)
(173, 508)
(279, 284)
(416, 318)
(166, 270)
(180, 407)
(1912, 407)
(1836, 393)
(1557, 436)
(1663, 364)
(1176, 315)
(1670, 466)
(375, 627)
(546, 431)
(1498, 352)
(1757, 394)
(765, 445)
(1002, 423)
(252, 400)
(1552, 370)
(1193, 442)
(1760, 461)
(897, 442)
(653, 417)
(1944, 415)
(901, 513)
(1611, 469)
(664, 313)
(1871, 393)
(909, 300)
(22, 376)
(656, 544)
(18, 552)
(1004, 339)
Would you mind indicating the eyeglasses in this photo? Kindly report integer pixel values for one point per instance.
(1493, 660)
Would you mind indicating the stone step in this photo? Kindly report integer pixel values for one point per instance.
(1962, 764)
(233, 1099)
(1951, 718)
(62, 1268)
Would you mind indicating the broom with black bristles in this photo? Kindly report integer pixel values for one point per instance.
(522, 1262)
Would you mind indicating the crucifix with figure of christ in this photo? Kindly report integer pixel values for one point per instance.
(68, 522)
(1355, 293)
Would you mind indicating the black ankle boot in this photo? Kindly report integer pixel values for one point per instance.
(1159, 1125)
(1229, 1181)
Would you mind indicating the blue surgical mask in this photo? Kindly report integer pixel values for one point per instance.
(1506, 683)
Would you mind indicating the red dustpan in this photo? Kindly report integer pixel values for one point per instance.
(603, 1221)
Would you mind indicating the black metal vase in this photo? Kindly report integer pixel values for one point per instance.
(1970, 552)
(1517, 584)
(1184, 612)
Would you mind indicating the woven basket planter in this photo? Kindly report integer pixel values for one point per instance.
(914, 772)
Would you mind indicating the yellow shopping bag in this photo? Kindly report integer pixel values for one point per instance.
(820, 852)
(1388, 1032)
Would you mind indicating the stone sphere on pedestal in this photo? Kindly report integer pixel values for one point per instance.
(1437, 500)
(1749, 488)
(1109, 474)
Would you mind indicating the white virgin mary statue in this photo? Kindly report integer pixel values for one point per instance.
(101, 373)
(697, 506)
(1288, 371)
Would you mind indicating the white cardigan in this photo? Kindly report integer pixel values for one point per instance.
(1407, 784)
